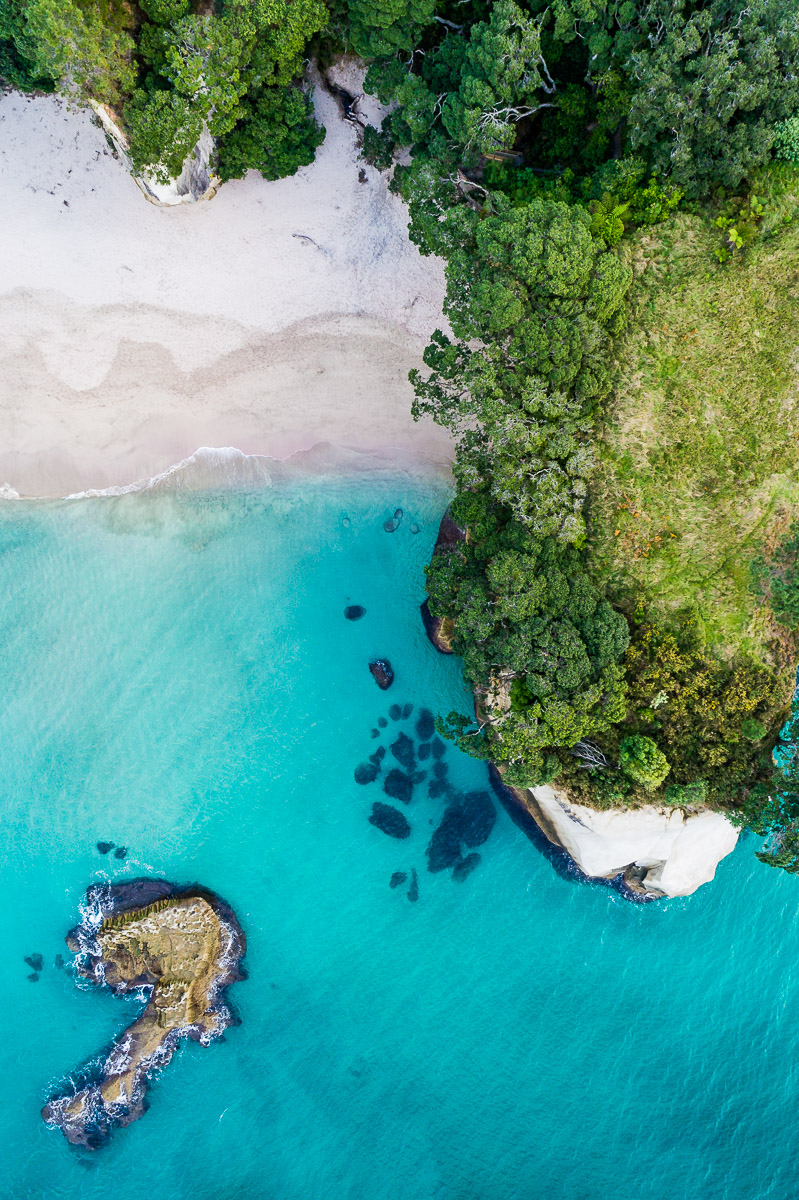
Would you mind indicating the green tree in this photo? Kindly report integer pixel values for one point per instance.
(84, 46)
(641, 759)
(276, 135)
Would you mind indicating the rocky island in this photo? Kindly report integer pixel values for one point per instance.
(182, 947)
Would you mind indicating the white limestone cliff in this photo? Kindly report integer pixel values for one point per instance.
(660, 851)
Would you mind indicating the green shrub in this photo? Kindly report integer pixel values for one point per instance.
(643, 762)
(683, 794)
(786, 139)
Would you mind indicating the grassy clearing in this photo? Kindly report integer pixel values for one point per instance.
(699, 455)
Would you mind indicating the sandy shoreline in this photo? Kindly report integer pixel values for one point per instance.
(272, 318)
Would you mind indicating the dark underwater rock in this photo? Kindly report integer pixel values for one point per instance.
(382, 673)
(366, 772)
(465, 867)
(414, 528)
(397, 879)
(423, 751)
(425, 725)
(402, 750)
(395, 712)
(58, 962)
(439, 787)
(354, 612)
(393, 523)
(34, 961)
(440, 769)
(33, 977)
(467, 821)
(407, 709)
(398, 785)
(444, 849)
(413, 890)
(389, 820)
(121, 852)
(382, 722)
(437, 747)
(478, 817)
(104, 847)
(375, 733)
(378, 756)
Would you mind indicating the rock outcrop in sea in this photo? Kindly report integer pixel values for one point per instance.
(183, 947)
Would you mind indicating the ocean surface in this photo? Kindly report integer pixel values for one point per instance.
(178, 678)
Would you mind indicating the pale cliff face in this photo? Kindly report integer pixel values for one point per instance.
(664, 851)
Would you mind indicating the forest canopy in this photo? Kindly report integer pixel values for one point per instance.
(597, 175)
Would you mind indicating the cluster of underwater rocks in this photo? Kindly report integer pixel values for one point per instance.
(408, 766)
(182, 948)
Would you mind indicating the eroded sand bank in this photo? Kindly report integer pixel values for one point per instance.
(276, 316)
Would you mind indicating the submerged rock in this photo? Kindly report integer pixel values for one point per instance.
(393, 523)
(440, 769)
(34, 961)
(382, 673)
(389, 820)
(366, 772)
(354, 612)
(184, 947)
(395, 712)
(378, 756)
(33, 977)
(413, 890)
(58, 962)
(423, 751)
(382, 722)
(425, 725)
(398, 878)
(467, 821)
(398, 785)
(104, 847)
(402, 750)
(407, 709)
(465, 866)
(437, 747)
(121, 852)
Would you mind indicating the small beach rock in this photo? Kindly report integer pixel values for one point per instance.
(104, 847)
(398, 786)
(34, 961)
(413, 890)
(397, 879)
(366, 772)
(438, 629)
(389, 820)
(121, 852)
(345, 521)
(465, 867)
(425, 725)
(354, 612)
(382, 673)
(402, 750)
(414, 528)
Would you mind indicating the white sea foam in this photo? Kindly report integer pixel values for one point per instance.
(209, 467)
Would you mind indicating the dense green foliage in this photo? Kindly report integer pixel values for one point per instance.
(176, 68)
(535, 137)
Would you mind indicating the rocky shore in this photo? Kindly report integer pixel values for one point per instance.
(182, 947)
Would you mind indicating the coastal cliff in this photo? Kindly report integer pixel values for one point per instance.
(182, 947)
(660, 852)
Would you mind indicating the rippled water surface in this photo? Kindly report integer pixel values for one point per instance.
(178, 678)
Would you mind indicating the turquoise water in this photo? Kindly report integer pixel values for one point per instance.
(178, 678)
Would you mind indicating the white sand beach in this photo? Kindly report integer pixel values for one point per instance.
(271, 318)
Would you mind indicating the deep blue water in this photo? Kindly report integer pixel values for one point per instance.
(178, 677)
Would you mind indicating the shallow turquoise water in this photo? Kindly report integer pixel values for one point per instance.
(178, 677)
